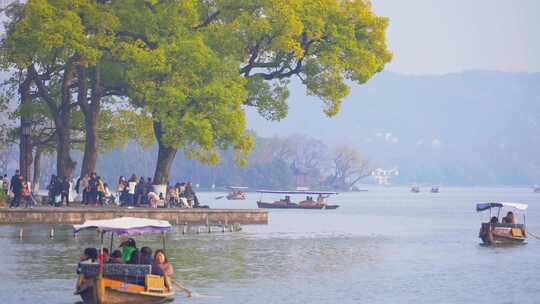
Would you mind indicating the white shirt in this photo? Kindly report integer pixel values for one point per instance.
(131, 186)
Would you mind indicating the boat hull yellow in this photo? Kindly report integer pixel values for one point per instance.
(110, 291)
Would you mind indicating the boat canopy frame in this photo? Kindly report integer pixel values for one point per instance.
(237, 188)
(124, 226)
(298, 192)
(516, 206)
(487, 206)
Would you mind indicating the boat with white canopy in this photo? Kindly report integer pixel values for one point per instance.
(506, 230)
(123, 283)
(309, 203)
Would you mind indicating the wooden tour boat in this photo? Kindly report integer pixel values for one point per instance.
(504, 232)
(308, 203)
(123, 283)
(237, 193)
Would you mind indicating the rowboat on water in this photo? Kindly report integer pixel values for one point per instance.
(415, 189)
(434, 189)
(308, 203)
(237, 193)
(505, 231)
(102, 283)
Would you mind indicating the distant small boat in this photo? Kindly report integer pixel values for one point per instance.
(415, 189)
(506, 232)
(308, 203)
(237, 193)
(536, 189)
(434, 189)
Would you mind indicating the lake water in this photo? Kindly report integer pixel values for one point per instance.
(386, 245)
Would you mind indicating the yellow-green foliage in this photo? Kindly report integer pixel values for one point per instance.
(77, 30)
(191, 66)
(3, 198)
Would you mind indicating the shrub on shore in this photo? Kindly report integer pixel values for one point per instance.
(3, 199)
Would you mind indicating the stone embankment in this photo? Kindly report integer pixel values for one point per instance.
(74, 215)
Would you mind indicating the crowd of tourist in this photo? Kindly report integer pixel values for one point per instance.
(17, 189)
(92, 190)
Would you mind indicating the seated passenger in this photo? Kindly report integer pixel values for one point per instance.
(146, 256)
(161, 266)
(90, 255)
(494, 220)
(509, 218)
(135, 257)
(106, 256)
(129, 247)
(116, 257)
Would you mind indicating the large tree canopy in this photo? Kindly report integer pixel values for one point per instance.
(192, 66)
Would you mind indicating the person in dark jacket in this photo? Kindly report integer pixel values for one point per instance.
(191, 196)
(93, 184)
(146, 257)
(139, 192)
(64, 191)
(56, 190)
(116, 257)
(51, 188)
(16, 186)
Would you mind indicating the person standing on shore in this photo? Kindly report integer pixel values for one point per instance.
(100, 191)
(84, 188)
(15, 186)
(27, 195)
(93, 189)
(147, 189)
(120, 190)
(109, 197)
(193, 201)
(131, 189)
(139, 192)
(64, 191)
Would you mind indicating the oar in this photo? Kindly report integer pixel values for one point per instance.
(182, 288)
(219, 197)
(191, 294)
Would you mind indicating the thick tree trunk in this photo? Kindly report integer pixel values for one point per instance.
(37, 171)
(91, 111)
(25, 142)
(64, 164)
(62, 118)
(90, 145)
(165, 159)
(25, 157)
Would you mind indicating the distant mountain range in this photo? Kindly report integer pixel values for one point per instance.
(470, 128)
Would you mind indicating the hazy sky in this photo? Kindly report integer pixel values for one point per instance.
(441, 36)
